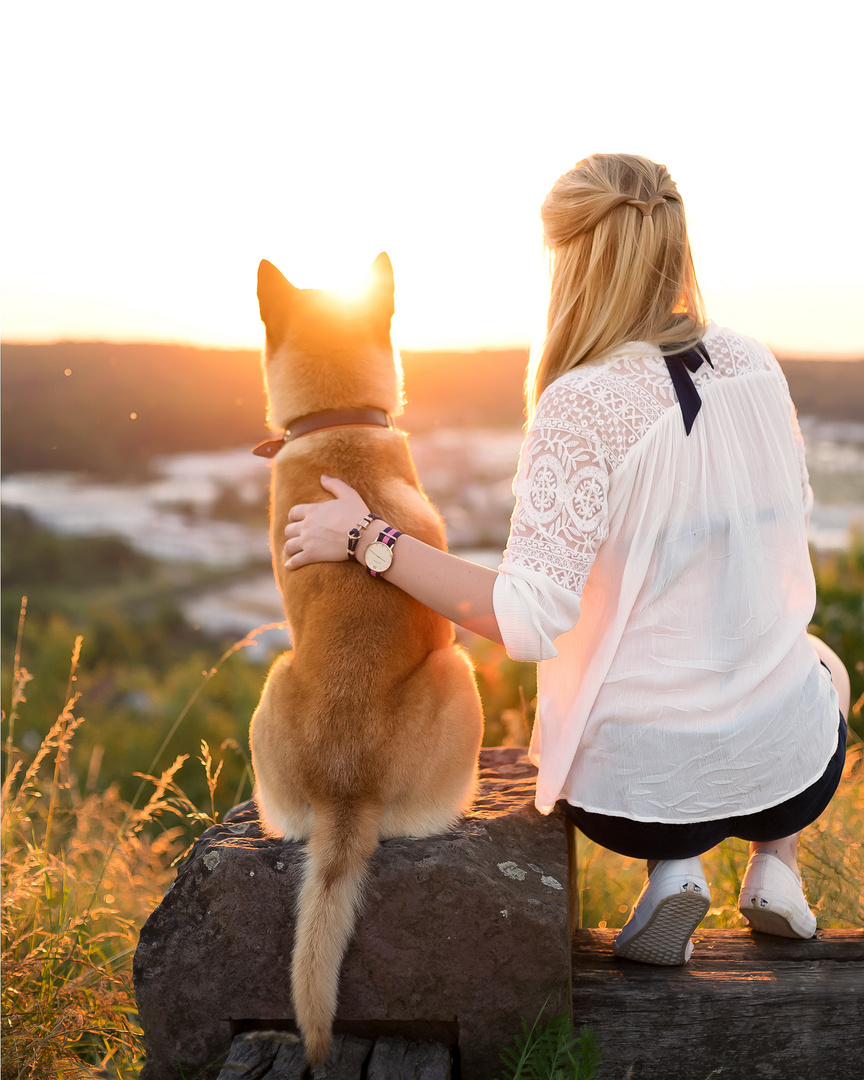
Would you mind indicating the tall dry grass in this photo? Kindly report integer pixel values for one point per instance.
(81, 871)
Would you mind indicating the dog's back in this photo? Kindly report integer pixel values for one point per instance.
(371, 727)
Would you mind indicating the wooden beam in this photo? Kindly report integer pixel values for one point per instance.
(746, 1005)
(574, 896)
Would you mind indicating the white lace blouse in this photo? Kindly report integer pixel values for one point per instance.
(663, 582)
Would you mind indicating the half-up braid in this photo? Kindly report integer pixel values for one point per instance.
(621, 265)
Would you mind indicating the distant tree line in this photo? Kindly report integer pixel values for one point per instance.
(107, 409)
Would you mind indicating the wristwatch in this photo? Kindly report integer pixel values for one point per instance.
(354, 535)
(379, 554)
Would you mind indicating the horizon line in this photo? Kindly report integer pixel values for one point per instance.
(810, 355)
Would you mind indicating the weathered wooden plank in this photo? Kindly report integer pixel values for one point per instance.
(387, 1058)
(276, 1055)
(290, 1063)
(427, 1061)
(574, 893)
(751, 1005)
(741, 946)
(348, 1055)
(397, 1059)
(250, 1058)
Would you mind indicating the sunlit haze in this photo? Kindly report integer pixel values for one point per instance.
(155, 153)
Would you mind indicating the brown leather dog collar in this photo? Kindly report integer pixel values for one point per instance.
(323, 421)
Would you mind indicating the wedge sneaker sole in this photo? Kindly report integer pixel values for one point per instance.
(778, 919)
(664, 938)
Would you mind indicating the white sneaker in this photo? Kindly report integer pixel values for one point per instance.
(772, 900)
(673, 902)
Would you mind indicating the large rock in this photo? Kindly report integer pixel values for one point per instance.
(462, 935)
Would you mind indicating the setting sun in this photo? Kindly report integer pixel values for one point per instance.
(139, 208)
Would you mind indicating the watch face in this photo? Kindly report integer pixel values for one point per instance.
(378, 556)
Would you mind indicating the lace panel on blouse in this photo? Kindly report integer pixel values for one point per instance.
(585, 425)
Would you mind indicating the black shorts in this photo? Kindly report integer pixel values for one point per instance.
(658, 840)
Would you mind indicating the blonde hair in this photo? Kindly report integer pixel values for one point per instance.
(621, 267)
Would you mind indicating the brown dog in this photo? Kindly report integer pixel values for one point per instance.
(370, 728)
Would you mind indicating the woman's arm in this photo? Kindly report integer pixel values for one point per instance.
(457, 589)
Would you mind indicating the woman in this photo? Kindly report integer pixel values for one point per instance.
(657, 568)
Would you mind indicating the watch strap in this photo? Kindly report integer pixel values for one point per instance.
(354, 534)
(387, 536)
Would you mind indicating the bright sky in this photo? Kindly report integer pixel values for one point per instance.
(156, 152)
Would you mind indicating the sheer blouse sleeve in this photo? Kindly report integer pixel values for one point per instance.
(806, 489)
(559, 521)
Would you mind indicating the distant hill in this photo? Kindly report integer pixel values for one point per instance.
(477, 389)
(829, 389)
(185, 398)
(70, 405)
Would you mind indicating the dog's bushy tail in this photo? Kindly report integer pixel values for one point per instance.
(337, 855)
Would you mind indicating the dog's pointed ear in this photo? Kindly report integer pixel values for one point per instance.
(381, 289)
(276, 297)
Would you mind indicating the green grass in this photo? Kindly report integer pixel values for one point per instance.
(552, 1051)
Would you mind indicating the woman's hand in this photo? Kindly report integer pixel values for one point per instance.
(318, 532)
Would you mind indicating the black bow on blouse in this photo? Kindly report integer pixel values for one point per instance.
(679, 364)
